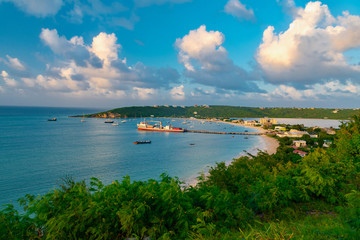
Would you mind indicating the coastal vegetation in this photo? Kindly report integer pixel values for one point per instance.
(227, 112)
(279, 196)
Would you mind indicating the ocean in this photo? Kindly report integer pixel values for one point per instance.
(35, 153)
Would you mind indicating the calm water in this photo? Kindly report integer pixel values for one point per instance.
(311, 122)
(35, 153)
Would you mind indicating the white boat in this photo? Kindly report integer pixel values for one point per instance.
(123, 121)
(115, 124)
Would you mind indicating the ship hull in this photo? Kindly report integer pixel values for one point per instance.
(160, 130)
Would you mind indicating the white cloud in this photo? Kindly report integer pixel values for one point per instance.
(239, 10)
(146, 3)
(8, 81)
(104, 46)
(333, 88)
(207, 62)
(96, 70)
(39, 8)
(312, 49)
(144, 93)
(177, 93)
(59, 44)
(200, 44)
(15, 63)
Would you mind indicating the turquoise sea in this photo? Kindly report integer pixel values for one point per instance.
(35, 154)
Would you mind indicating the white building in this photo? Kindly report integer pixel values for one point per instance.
(299, 143)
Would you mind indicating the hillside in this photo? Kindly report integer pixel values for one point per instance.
(227, 112)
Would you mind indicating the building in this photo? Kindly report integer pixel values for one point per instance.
(280, 128)
(301, 153)
(267, 121)
(250, 123)
(330, 131)
(299, 143)
(293, 133)
(327, 143)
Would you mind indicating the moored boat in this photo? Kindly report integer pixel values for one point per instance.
(52, 119)
(109, 121)
(142, 142)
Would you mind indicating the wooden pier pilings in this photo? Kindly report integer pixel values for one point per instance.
(230, 133)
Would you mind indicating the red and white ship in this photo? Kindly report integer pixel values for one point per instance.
(157, 127)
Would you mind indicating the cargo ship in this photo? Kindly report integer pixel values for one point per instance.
(158, 127)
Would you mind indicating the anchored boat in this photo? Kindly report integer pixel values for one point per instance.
(142, 142)
(157, 126)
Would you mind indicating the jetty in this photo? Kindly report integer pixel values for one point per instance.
(230, 133)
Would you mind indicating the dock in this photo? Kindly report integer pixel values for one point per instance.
(230, 133)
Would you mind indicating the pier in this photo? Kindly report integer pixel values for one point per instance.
(230, 133)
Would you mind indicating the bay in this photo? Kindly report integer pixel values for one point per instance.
(35, 153)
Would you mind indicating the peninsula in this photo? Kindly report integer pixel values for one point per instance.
(218, 111)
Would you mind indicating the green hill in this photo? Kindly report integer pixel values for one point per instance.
(227, 112)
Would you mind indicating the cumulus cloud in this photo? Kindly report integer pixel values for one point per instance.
(71, 49)
(312, 49)
(206, 61)
(177, 93)
(13, 63)
(146, 3)
(96, 69)
(8, 80)
(104, 46)
(39, 8)
(239, 10)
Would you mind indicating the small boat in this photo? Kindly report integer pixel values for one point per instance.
(83, 119)
(109, 121)
(115, 124)
(123, 121)
(246, 131)
(52, 119)
(142, 142)
(192, 144)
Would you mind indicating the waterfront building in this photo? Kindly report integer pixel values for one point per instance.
(267, 121)
(250, 123)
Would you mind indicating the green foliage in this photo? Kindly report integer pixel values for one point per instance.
(351, 213)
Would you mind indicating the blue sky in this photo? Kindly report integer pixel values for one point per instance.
(92, 53)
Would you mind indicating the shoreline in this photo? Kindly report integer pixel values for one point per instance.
(270, 146)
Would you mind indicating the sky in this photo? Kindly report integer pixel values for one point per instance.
(258, 53)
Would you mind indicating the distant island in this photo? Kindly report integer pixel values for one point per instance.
(218, 111)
